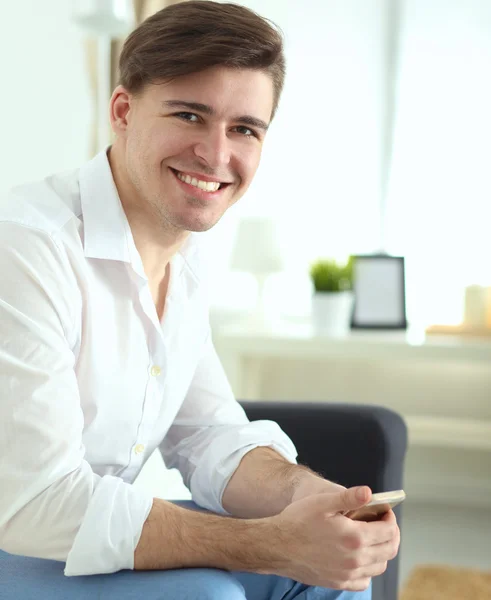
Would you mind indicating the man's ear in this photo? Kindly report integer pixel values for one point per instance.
(119, 107)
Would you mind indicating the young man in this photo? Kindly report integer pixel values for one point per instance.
(106, 352)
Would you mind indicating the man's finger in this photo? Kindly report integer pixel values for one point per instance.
(349, 499)
(389, 517)
(357, 585)
(382, 552)
(341, 502)
(372, 570)
(372, 556)
(378, 532)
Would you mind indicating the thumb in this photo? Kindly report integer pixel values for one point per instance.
(349, 499)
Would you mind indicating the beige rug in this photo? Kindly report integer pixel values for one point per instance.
(438, 582)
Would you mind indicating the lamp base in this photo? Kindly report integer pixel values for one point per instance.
(257, 321)
(260, 318)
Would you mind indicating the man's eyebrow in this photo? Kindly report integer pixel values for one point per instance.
(190, 105)
(208, 110)
(252, 121)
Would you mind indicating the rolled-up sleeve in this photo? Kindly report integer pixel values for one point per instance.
(52, 504)
(211, 433)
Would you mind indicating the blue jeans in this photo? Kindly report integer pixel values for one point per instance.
(39, 579)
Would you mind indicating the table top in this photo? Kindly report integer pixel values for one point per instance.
(290, 339)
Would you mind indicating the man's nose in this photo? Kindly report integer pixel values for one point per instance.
(214, 148)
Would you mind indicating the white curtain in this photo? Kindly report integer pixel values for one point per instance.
(440, 181)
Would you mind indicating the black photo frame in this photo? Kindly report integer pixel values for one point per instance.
(379, 292)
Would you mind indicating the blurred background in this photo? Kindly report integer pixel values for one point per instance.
(381, 144)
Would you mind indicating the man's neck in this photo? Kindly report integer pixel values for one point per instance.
(156, 249)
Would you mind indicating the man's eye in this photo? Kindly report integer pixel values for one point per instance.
(245, 131)
(187, 116)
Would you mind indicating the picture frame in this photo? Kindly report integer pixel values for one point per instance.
(379, 292)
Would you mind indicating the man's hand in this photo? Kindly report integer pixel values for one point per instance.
(319, 546)
(310, 485)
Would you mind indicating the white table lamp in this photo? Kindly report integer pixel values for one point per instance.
(257, 251)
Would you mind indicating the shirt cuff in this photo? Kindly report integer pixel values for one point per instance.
(224, 453)
(111, 528)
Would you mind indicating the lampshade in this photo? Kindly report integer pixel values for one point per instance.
(256, 248)
(113, 18)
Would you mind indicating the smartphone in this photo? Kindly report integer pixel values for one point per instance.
(377, 507)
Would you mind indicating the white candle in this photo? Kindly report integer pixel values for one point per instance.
(475, 306)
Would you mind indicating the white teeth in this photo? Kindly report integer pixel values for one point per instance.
(207, 186)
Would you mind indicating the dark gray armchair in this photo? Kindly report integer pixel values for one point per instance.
(349, 444)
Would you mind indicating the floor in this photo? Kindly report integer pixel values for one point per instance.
(445, 535)
(431, 534)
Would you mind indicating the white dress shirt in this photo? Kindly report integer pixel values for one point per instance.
(91, 382)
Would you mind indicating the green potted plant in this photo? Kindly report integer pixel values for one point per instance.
(332, 302)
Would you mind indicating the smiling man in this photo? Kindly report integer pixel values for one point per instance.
(106, 354)
(185, 151)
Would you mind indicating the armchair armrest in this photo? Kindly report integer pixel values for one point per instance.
(350, 444)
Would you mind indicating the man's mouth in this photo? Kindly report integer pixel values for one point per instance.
(207, 186)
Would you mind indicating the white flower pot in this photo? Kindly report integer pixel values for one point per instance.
(331, 312)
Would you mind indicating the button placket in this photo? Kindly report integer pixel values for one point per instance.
(150, 406)
(151, 410)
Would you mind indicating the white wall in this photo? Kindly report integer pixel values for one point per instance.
(44, 98)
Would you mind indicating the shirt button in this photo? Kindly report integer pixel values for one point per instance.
(139, 448)
(155, 371)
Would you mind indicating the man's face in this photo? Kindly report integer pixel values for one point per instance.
(192, 146)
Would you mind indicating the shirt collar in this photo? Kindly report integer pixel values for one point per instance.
(106, 229)
(107, 233)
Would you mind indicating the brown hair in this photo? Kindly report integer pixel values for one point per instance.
(189, 37)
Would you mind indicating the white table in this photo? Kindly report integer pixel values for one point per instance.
(243, 352)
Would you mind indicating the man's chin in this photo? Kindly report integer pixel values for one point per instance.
(197, 224)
